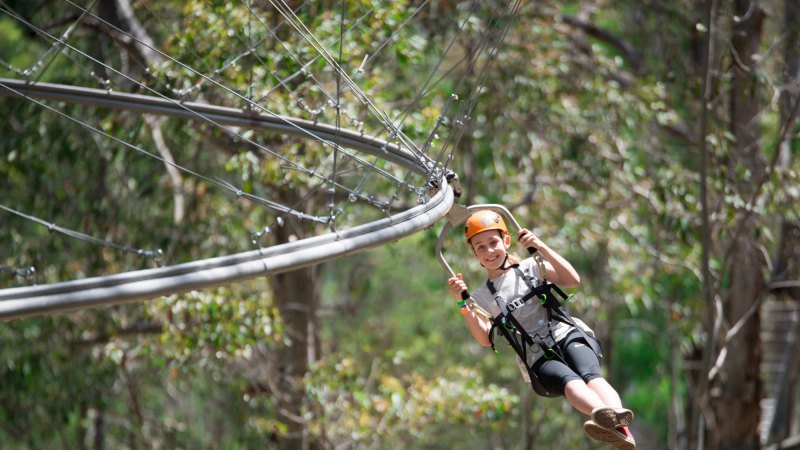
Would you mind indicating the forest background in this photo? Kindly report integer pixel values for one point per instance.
(652, 143)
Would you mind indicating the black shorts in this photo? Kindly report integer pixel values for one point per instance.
(579, 363)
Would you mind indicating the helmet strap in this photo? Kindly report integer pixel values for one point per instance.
(505, 260)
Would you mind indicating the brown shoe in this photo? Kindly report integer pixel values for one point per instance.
(620, 437)
(611, 418)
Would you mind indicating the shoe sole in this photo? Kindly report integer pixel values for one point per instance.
(610, 418)
(601, 434)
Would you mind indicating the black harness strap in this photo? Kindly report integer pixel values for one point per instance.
(520, 340)
(516, 335)
(551, 303)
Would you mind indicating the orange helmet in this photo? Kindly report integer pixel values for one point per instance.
(484, 220)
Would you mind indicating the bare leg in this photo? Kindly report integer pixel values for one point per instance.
(607, 394)
(582, 397)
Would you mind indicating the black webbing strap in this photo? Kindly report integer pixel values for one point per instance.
(519, 340)
(548, 301)
(552, 304)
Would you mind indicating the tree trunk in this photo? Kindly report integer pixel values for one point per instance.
(297, 298)
(787, 263)
(120, 14)
(736, 390)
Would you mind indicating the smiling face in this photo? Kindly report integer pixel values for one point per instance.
(491, 248)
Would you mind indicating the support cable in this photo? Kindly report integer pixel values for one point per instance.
(474, 92)
(227, 130)
(53, 228)
(250, 103)
(295, 22)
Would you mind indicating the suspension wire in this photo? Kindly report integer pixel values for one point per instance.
(373, 165)
(483, 43)
(39, 64)
(337, 147)
(52, 227)
(423, 92)
(249, 46)
(400, 186)
(239, 192)
(311, 39)
(354, 88)
(514, 10)
(433, 134)
(304, 66)
(298, 25)
(33, 69)
(444, 76)
(226, 88)
(282, 82)
(399, 28)
(331, 204)
(420, 95)
(352, 120)
(183, 93)
(418, 98)
(390, 38)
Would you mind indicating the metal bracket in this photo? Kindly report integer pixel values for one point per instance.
(457, 215)
(452, 180)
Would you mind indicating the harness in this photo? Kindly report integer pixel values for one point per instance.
(519, 339)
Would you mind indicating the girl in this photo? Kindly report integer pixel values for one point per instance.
(561, 359)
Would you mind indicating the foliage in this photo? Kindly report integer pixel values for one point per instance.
(593, 145)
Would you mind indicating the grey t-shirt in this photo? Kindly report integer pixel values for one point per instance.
(532, 316)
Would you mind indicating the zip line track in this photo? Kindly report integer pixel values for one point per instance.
(151, 283)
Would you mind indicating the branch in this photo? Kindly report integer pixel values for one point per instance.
(732, 332)
(792, 443)
(137, 329)
(778, 285)
(179, 210)
(682, 131)
(125, 19)
(624, 47)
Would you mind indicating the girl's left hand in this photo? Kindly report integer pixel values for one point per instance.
(528, 239)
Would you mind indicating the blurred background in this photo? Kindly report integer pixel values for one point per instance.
(654, 144)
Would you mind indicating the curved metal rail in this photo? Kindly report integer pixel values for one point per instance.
(222, 115)
(151, 283)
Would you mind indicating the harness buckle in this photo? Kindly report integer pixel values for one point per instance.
(516, 304)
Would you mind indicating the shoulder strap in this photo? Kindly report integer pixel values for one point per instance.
(552, 303)
(549, 301)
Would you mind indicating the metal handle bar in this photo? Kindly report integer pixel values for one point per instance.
(500, 209)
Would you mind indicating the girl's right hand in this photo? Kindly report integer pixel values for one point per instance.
(456, 285)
